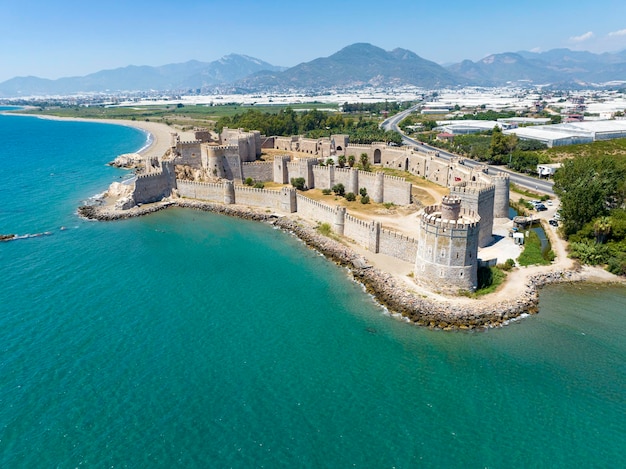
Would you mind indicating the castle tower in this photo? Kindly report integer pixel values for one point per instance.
(450, 208)
(288, 200)
(212, 157)
(281, 172)
(229, 192)
(353, 184)
(447, 247)
(501, 197)
(340, 220)
(379, 188)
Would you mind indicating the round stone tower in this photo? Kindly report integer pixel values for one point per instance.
(450, 208)
(447, 250)
(501, 195)
(214, 157)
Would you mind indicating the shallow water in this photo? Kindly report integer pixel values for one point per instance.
(191, 339)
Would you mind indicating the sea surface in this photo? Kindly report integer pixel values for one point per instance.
(188, 339)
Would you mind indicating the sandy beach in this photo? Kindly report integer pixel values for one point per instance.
(160, 135)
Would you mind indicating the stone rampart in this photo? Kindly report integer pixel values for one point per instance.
(213, 192)
(257, 197)
(397, 245)
(189, 153)
(358, 230)
(259, 171)
(156, 185)
(324, 176)
(315, 210)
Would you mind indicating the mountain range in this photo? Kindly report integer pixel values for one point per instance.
(357, 65)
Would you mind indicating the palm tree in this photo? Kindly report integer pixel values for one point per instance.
(602, 229)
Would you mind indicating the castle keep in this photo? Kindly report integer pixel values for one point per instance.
(444, 249)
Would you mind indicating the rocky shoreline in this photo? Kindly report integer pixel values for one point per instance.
(383, 286)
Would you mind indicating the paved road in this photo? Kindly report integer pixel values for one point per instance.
(528, 182)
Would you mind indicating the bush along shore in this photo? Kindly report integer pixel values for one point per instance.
(383, 286)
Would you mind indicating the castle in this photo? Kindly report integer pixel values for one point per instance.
(445, 248)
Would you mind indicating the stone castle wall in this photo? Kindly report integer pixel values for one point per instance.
(398, 245)
(213, 192)
(259, 171)
(315, 210)
(357, 229)
(155, 185)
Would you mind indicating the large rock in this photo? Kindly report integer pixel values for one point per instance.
(118, 190)
(128, 161)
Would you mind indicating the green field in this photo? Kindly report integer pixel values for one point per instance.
(186, 116)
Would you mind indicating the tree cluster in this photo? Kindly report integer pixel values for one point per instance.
(592, 190)
(312, 123)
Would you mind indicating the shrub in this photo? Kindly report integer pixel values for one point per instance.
(326, 191)
(365, 199)
(324, 229)
(248, 181)
(388, 205)
(350, 197)
(259, 185)
(339, 189)
(298, 183)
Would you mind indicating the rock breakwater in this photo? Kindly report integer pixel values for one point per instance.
(387, 290)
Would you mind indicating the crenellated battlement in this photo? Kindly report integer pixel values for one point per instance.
(501, 175)
(327, 208)
(153, 174)
(472, 188)
(398, 236)
(432, 216)
(358, 221)
(222, 147)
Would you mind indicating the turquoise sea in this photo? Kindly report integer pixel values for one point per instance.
(187, 339)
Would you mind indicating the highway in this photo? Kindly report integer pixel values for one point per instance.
(527, 182)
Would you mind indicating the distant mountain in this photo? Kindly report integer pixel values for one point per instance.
(181, 76)
(561, 66)
(355, 65)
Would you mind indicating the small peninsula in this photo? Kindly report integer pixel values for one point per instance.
(417, 250)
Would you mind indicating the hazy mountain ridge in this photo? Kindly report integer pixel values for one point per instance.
(353, 66)
(356, 65)
(181, 76)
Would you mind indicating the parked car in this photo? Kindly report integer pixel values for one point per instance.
(553, 222)
(549, 202)
(540, 207)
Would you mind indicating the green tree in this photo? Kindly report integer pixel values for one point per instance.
(350, 197)
(342, 161)
(339, 189)
(501, 145)
(588, 187)
(299, 183)
(365, 162)
(351, 160)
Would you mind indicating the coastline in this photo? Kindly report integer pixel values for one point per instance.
(388, 290)
(389, 285)
(158, 135)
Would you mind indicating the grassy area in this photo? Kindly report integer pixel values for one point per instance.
(489, 279)
(530, 194)
(190, 115)
(532, 253)
(616, 147)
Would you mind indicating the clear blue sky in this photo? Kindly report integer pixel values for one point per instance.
(56, 38)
